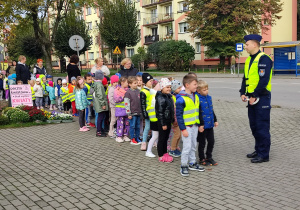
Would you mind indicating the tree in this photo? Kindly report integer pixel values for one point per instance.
(172, 55)
(220, 24)
(21, 41)
(119, 26)
(68, 27)
(38, 11)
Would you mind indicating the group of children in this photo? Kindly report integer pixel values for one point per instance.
(138, 104)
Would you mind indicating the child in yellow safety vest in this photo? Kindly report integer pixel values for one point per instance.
(64, 92)
(72, 96)
(89, 94)
(44, 83)
(2, 85)
(32, 82)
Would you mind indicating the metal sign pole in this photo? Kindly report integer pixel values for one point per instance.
(117, 61)
(239, 65)
(77, 47)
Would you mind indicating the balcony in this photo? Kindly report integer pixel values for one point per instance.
(151, 39)
(150, 3)
(163, 18)
(184, 9)
(150, 21)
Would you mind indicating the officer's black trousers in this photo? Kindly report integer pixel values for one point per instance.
(259, 119)
(208, 135)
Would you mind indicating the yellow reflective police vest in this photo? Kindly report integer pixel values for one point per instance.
(65, 97)
(191, 110)
(6, 83)
(151, 109)
(89, 96)
(32, 93)
(252, 74)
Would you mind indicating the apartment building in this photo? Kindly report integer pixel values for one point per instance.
(167, 19)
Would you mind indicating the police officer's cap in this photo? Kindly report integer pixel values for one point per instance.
(255, 37)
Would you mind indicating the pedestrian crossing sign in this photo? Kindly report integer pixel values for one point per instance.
(117, 50)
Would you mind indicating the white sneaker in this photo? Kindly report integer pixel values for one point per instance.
(126, 138)
(51, 109)
(119, 139)
(6, 99)
(150, 154)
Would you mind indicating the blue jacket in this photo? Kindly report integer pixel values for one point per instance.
(180, 105)
(80, 99)
(1, 84)
(51, 92)
(207, 111)
(58, 90)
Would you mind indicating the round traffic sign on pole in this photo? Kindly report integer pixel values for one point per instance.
(76, 42)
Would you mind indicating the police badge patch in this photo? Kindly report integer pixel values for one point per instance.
(261, 72)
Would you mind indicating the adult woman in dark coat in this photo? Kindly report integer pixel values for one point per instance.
(22, 70)
(127, 68)
(72, 68)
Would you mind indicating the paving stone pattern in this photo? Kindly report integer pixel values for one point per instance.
(57, 167)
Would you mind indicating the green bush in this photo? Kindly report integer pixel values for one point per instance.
(7, 109)
(4, 120)
(19, 116)
(11, 111)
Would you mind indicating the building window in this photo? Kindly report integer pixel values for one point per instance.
(183, 7)
(89, 11)
(198, 47)
(183, 27)
(96, 40)
(89, 25)
(91, 55)
(169, 10)
(95, 10)
(96, 23)
(139, 32)
(138, 15)
(154, 16)
(130, 52)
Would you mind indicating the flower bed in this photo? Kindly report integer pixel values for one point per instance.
(25, 114)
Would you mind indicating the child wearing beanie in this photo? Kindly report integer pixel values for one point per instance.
(99, 102)
(71, 87)
(144, 98)
(38, 89)
(57, 94)
(164, 108)
(64, 92)
(50, 89)
(174, 150)
(113, 119)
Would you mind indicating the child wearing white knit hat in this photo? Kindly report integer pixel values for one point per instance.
(164, 108)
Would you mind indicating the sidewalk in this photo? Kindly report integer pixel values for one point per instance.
(57, 167)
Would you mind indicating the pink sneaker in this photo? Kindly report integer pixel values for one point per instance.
(168, 157)
(83, 129)
(165, 159)
(86, 128)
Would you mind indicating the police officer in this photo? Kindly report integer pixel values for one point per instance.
(256, 89)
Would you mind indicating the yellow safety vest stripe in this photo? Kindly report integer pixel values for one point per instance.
(32, 93)
(151, 110)
(120, 105)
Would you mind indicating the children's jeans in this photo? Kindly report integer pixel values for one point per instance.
(59, 103)
(146, 130)
(81, 118)
(39, 101)
(99, 120)
(113, 120)
(188, 154)
(1, 95)
(135, 126)
(122, 126)
(88, 114)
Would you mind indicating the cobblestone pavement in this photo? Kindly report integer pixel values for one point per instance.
(57, 167)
